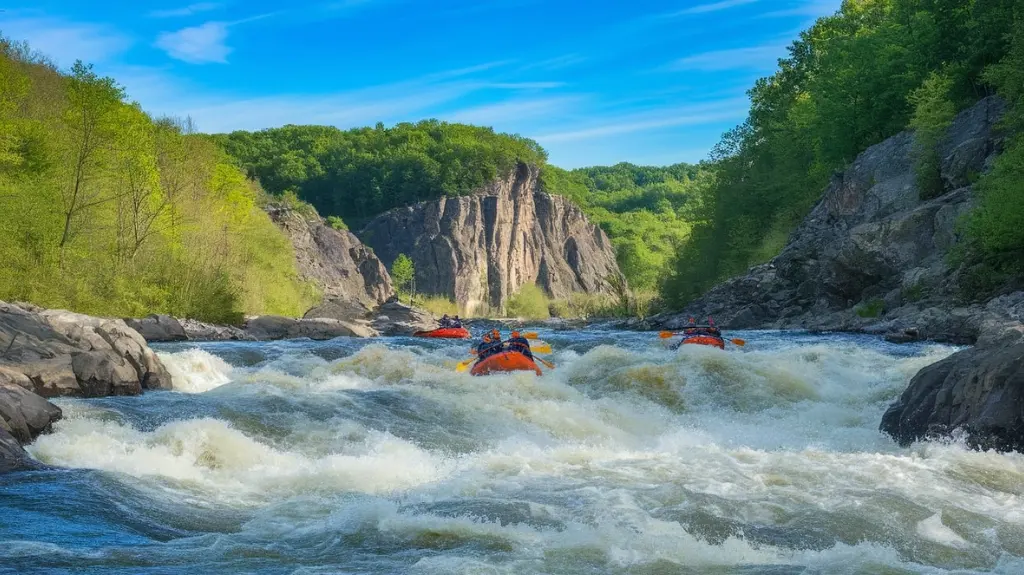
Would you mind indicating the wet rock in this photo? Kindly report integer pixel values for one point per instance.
(268, 327)
(978, 392)
(396, 318)
(12, 456)
(100, 374)
(480, 249)
(201, 331)
(26, 415)
(158, 328)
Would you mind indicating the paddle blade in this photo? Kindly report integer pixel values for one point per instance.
(530, 335)
(463, 366)
(738, 342)
(666, 334)
(546, 363)
(540, 347)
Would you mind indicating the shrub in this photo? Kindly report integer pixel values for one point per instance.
(337, 223)
(437, 304)
(530, 302)
(871, 309)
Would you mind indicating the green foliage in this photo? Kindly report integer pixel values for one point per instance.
(871, 309)
(357, 174)
(933, 113)
(645, 211)
(914, 293)
(850, 81)
(530, 302)
(109, 212)
(437, 304)
(403, 273)
(336, 223)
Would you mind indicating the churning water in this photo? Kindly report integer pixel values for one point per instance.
(374, 456)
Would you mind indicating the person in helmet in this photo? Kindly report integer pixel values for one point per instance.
(489, 346)
(520, 344)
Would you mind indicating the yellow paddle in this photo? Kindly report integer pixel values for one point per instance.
(669, 334)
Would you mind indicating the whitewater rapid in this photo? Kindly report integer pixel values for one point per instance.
(356, 456)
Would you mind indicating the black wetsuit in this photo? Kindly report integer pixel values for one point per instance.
(520, 344)
(487, 349)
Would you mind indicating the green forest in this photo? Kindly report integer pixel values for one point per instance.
(117, 213)
(354, 175)
(850, 81)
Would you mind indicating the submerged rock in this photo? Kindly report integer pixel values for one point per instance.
(978, 393)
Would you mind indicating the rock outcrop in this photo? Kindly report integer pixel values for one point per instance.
(977, 393)
(340, 265)
(55, 353)
(480, 249)
(872, 256)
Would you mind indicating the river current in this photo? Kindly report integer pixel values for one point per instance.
(374, 456)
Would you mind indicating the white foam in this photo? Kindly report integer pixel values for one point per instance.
(932, 529)
(195, 370)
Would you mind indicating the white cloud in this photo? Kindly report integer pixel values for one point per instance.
(556, 63)
(198, 44)
(755, 57)
(712, 7)
(65, 42)
(696, 114)
(185, 10)
(510, 111)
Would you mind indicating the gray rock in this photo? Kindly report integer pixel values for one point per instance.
(12, 456)
(158, 328)
(341, 309)
(25, 414)
(52, 377)
(270, 327)
(395, 318)
(481, 249)
(201, 331)
(335, 260)
(101, 374)
(978, 392)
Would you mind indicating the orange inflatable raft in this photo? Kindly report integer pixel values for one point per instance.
(445, 332)
(505, 361)
(704, 340)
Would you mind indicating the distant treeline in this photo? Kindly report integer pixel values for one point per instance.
(108, 211)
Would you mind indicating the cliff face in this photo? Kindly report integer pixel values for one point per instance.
(872, 255)
(335, 260)
(480, 249)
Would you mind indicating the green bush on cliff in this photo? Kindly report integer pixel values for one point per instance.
(530, 302)
(107, 211)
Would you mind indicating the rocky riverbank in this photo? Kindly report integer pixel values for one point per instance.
(55, 353)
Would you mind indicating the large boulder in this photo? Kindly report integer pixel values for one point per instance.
(202, 331)
(271, 327)
(396, 318)
(158, 328)
(24, 414)
(12, 456)
(977, 392)
(480, 249)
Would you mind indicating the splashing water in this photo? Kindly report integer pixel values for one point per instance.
(356, 456)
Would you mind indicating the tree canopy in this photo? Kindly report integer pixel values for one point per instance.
(108, 211)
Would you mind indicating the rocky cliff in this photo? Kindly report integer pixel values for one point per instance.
(872, 255)
(481, 248)
(340, 265)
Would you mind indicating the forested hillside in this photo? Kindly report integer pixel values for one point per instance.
(851, 80)
(108, 211)
(360, 173)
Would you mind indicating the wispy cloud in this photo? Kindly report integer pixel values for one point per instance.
(189, 10)
(525, 85)
(755, 57)
(556, 63)
(65, 41)
(511, 111)
(711, 7)
(697, 114)
(807, 9)
(201, 44)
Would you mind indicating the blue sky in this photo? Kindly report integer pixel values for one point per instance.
(595, 82)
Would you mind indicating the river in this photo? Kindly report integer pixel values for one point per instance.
(374, 456)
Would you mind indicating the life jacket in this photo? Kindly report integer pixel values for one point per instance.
(520, 344)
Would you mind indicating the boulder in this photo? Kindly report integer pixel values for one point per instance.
(53, 377)
(101, 374)
(396, 318)
(158, 328)
(978, 393)
(342, 309)
(25, 414)
(271, 327)
(12, 456)
(200, 331)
